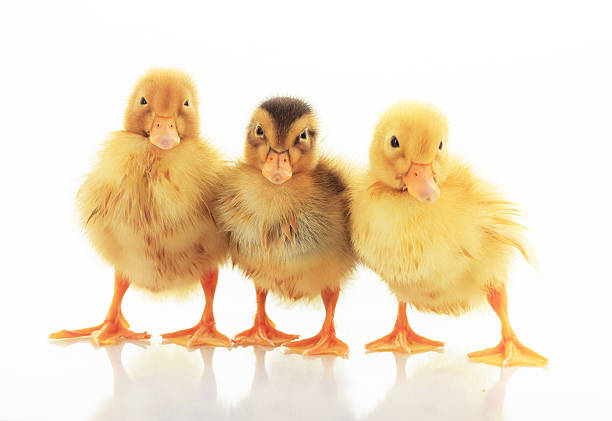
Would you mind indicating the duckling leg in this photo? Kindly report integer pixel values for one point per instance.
(114, 326)
(263, 332)
(325, 342)
(509, 351)
(402, 338)
(205, 332)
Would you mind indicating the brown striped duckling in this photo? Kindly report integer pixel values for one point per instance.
(284, 209)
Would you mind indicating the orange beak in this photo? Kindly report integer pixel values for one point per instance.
(277, 167)
(420, 182)
(163, 133)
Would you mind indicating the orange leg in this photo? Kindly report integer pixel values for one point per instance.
(205, 332)
(114, 326)
(509, 351)
(402, 338)
(325, 342)
(263, 332)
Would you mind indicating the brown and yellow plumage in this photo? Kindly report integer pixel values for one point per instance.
(146, 206)
(292, 237)
(147, 211)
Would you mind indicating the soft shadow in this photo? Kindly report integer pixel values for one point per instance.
(162, 388)
(293, 388)
(443, 390)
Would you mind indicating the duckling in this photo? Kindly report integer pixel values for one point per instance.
(146, 207)
(285, 212)
(438, 235)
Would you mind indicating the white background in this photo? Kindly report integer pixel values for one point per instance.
(526, 88)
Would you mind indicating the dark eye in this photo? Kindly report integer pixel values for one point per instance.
(186, 103)
(304, 135)
(259, 131)
(143, 101)
(441, 145)
(394, 142)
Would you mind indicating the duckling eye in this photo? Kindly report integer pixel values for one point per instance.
(186, 103)
(143, 101)
(259, 131)
(304, 134)
(394, 142)
(441, 145)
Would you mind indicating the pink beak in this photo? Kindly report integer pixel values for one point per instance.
(421, 183)
(163, 133)
(277, 167)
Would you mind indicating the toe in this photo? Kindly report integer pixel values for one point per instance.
(179, 340)
(138, 336)
(209, 337)
(384, 345)
(509, 353)
(336, 348)
(486, 352)
(321, 344)
(64, 334)
(179, 333)
(250, 337)
(303, 344)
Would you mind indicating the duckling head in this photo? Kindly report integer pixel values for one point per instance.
(281, 138)
(163, 108)
(408, 150)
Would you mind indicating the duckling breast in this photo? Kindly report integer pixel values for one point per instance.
(292, 239)
(416, 249)
(148, 215)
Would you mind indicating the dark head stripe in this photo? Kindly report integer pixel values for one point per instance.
(285, 110)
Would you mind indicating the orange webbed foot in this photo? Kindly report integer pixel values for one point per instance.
(263, 333)
(324, 343)
(405, 341)
(107, 333)
(509, 352)
(202, 334)
(113, 328)
(402, 338)
(205, 333)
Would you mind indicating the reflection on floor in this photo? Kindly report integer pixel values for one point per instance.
(440, 393)
(318, 400)
(162, 387)
(173, 397)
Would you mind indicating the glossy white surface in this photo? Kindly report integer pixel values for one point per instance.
(74, 380)
(527, 92)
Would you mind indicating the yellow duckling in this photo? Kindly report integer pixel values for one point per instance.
(439, 236)
(285, 211)
(146, 207)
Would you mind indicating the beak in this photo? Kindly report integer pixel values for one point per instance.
(163, 133)
(277, 167)
(420, 182)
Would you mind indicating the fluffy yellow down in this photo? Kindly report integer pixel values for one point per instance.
(147, 211)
